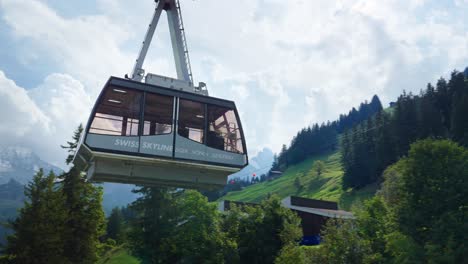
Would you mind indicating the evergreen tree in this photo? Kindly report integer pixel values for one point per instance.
(72, 145)
(39, 228)
(115, 225)
(375, 105)
(283, 158)
(153, 225)
(406, 122)
(85, 216)
(430, 118)
(444, 101)
(385, 149)
(459, 115)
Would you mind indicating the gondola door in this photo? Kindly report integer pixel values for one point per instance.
(190, 138)
(157, 131)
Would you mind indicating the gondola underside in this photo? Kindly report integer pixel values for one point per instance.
(119, 168)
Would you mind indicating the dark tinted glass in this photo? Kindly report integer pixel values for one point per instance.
(158, 114)
(191, 120)
(224, 132)
(117, 113)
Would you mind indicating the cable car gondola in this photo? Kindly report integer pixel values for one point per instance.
(164, 131)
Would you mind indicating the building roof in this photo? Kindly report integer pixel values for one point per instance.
(291, 202)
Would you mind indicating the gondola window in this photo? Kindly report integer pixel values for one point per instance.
(191, 120)
(158, 114)
(224, 131)
(117, 113)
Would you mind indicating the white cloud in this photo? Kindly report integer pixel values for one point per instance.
(42, 118)
(19, 114)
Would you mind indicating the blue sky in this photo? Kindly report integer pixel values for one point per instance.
(287, 64)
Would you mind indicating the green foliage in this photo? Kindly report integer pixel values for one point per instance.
(62, 221)
(39, 229)
(298, 183)
(85, 216)
(115, 225)
(290, 254)
(432, 208)
(319, 167)
(152, 225)
(182, 227)
(403, 249)
(261, 232)
(118, 255)
(177, 226)
(197, 236)
(374, 222)
(86, 220)
(342, 244)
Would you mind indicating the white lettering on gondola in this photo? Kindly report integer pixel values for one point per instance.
(181, 150)
(222, 156)
(199, 153)
(126, 143)
(156, 146)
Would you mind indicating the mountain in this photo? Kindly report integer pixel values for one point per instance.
(260, 164)
(21, 164)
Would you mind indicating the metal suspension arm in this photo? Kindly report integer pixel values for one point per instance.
(138, 72)
(179, 44)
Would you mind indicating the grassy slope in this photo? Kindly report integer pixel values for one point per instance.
(325, 187)
(118, 256)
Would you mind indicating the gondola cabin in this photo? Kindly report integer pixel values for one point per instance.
(161, 135)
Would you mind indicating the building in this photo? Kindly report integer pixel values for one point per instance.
(313, 213)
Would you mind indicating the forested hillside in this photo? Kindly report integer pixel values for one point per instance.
(368, 139)
(319, 139)
(437, 112)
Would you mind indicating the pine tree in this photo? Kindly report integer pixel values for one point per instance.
(430, 118)
(39, 229)
(444, 101)
(375, 105)
(85, 216)
(72, 145)
(115, 225)
(153, 225)
(283, 158)
(459, 116)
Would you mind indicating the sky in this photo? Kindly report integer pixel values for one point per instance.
(286, 64)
